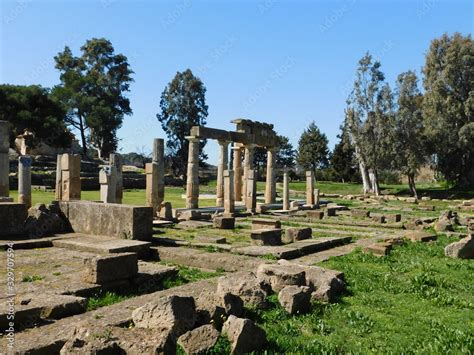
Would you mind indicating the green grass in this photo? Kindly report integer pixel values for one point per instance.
(103, 299)
(32, 278)
(188, 274)
(413, 301)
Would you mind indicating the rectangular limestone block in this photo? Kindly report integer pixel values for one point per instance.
(12, 219)
(224, 222)
(113, 220)
(266, 237)
(114, 267)
(419, 236)
(360, 213)
(265, 224)
(294, 234)
(331, 211)
(71, 186)
(318, 214)
(379, 249)
(392, 218)
(378, 218)
(71, 163)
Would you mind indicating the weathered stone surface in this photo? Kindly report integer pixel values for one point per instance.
(378, 218)
(174, 313)
(244, 335)
(279, 276)
(445, 222)
(12, 219)
(294, 234)
(426, 207)
(114, 220)
(224, 222)
(210, 239)
(393, 218)
(464, 249)
(247, 286)
(213, 307)
(45, 221)
(411, 200)
(166, 211)
(379, 249)
(265, 224)
(315, 214)
(331, 211)
(360, 213)
(294, 205)
(419, 236)
(266, 236)
(295, 299)
(104, 269)
(199, 340)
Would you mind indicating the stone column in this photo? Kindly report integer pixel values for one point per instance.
(159, 159)
(151, 172)
(4, 162)
(286, 192)
(248, 165)
(251, 191)
(229, 205)
(316, 197)
(71, 177)
(192, 182)
(59, 180)
(108, 184)
(221, 166)
(310, 188)
(237, 167)
(116, 163)
(24, 180)
(270, 185)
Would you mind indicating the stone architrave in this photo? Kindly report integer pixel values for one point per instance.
(116, 163)
(151, 173)
(310, 188)
(70, 177)
(192, 183)
(159, 159)
(229, 206)
(248, 165)
(24, 180)
(286, 192)
(221, 166)
(4, 162)
(59, 180)
(108, 184)
(251, 191)
(270, 186)
(237, 167)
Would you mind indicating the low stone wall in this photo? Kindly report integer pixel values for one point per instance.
(109, 219)
(12, 219)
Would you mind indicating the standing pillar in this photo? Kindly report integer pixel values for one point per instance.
(116, 163)
(70, 177)
(4, 162)
(270, 185)
(108, 184)
(159, 160)
(221, 166)
(59, 179)
(248, 165)
(237, 167)
(151, 172)
(316, 197)
(229, 205)
(310, 188)
(24, 180)
(192, 182)
(286, 192)
(251, 191)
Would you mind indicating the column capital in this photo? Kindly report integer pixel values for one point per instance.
(223, 142)
(192, 138)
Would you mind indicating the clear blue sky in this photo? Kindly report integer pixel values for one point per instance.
(283, 62)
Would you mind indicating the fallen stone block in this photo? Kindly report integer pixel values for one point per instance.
(244, 335)
(213, 307)
(360, 213)
(295, 299)
(378, 218)
(174, 313)
(379, 249)
(294, 205)
(419, 236)
(210, 239)
(199, 340)
(411, 200)
(247, 286)
(426, 207)
(224, 222)
(331, 211)
(443, 225)
(464, 249)
(279, 276)
(393, 218)
(166, 211)
(109, 268)
(315, 214)
(12, 219)
(294, 234)
(426, 198)
(265, 236)
(265, 224)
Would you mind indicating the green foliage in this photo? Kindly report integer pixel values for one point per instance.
(92, 91)
(102, 299)
(312, 149)
(343, 159)
(188, 274)
(32, 278)
(182, 105)
(285, 157)
(448, 106)
(30, 107)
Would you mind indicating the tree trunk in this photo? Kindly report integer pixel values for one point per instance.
(365, 178)
(374, 182)
(82, 129)
(411, 185)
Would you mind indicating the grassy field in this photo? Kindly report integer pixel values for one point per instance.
(174, 194)
(413, 301)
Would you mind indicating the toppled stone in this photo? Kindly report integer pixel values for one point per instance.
(45, 221)
(378, 218)
(379, 249)
(411, 200)
(210, 239)
(244, 335)
(294, 205)
(295, 299)
(360, 213)
(224, 222)
(464, 249)
(265, 236)
(443, 225)
(279, 276)
(199, 340)
(265, 224)
(166, 211)
(175, 313)
(393, 218)
(212, 307)
(318, 214)
(108, 268)
(331, 211)
(247, 286)
(294, 234)
(12, 219)
(426, 207)
(419, 236)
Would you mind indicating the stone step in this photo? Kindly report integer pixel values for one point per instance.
(293, 250)
(162, 223)
(46, 242)
(102, 244)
